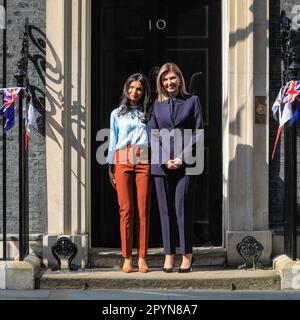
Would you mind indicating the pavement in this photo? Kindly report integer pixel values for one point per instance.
(164, 295)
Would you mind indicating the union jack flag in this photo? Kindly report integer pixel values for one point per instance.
(7, 111)
(283, 107)
(292, 92)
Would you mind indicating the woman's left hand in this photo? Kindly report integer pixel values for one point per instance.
(174, 164)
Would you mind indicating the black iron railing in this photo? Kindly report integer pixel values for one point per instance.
(22, 81)
(291, 70)
(4, 202)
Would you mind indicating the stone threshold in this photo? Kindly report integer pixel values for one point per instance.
(112, 258)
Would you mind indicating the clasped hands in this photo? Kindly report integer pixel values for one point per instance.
(174, 164)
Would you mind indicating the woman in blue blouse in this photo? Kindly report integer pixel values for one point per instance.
(129, 165)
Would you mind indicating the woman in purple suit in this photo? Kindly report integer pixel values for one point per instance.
(174, 112)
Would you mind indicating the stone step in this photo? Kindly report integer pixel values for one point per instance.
(209, 278)
(112, 258)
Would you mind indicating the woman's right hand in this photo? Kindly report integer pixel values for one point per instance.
(174, 164)
(111, 173)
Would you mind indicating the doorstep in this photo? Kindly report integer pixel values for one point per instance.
(209, 273)
(209, 278)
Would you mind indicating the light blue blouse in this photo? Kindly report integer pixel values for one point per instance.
(124, 130)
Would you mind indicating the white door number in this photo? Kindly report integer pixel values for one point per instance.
(159, 24)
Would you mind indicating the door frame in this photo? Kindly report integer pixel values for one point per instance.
(225, 122)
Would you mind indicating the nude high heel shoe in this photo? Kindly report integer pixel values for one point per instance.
(128, 267)
(143, 268)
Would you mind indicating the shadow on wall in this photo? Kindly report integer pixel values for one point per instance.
(240, 35)
(38, 38)
(54, 73)
(64, 119)
(241, 188)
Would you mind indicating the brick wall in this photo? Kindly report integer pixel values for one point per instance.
(276, 193)
(17, 11)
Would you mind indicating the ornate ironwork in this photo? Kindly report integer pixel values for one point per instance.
(22, 73)
(23, 81)
(250, 250)
(66, 248)
(291, 67)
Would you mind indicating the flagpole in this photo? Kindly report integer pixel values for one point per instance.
(22, 81)
(4, 138)
(21, 177)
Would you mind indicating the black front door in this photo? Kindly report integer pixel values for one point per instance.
(139, 36)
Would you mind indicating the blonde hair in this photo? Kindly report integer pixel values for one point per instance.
(169, 67)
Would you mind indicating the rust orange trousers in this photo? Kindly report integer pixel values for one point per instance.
(126, 175)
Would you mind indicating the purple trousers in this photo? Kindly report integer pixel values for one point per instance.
(176, 198)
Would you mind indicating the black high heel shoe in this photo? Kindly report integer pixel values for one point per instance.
(186, 270)
(167, 270)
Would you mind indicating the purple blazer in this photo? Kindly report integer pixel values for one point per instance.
(187, 114)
